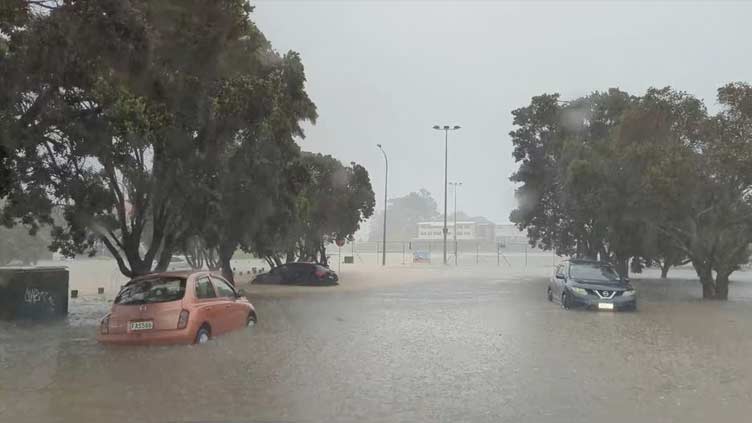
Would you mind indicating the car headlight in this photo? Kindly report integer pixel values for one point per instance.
(628, 293)
(578, 290)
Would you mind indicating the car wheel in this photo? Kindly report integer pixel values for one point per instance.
(251, 320)
(550, 295)
(565, 301)
(203, 335)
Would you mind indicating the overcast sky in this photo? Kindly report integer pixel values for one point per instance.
(386, 71)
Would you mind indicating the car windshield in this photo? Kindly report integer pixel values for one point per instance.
(593, 272)
(152, 290)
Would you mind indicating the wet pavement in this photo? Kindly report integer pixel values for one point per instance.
(428, 346)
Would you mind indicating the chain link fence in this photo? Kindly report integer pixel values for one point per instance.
(421, 252)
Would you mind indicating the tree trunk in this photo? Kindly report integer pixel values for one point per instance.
(269, 261)
(665, 266)
(227, 270)
(140, 268)
(706, 279)
(194, 253)
(721, 286)
(622, 266)
(165, 255)
(226, 251)
(212, 259)
(323, 260)
(636, 266)
(708, 290)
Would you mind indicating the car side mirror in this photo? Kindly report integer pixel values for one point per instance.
(559, 276)
(242, 293)
(625, 279)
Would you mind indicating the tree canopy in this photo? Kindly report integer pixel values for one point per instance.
(655, 177)
(331, 203)
(148, 124)
(403, 215)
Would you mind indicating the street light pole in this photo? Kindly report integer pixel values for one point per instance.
(386, 175)
(454, 191)
(446, 129)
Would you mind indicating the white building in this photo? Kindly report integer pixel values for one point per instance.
(508, 234)
(433, 230)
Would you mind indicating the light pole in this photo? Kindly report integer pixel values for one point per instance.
(446, 129)
(386, 175)
(454, 192)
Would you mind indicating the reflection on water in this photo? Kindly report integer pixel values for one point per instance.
(461, 347)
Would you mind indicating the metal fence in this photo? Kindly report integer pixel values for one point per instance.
(432, 252)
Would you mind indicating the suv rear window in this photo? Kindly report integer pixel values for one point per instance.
(151, 290)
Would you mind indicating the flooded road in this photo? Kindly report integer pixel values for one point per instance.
(425, 345)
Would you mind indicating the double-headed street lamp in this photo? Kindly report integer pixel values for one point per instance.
(386, 174)
(446, 129)
(454, 192)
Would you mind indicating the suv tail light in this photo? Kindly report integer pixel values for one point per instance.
(320, 274)
(104, 326)
(183, 319)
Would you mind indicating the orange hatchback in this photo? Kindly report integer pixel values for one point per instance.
(175, 308)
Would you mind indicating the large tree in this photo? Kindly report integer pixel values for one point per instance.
(701, 185)
(122, 113)
(616, 176)
(332, 202)
(573, 198)
(403, 215)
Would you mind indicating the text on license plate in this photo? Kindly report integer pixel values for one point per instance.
(605, 306)
(141, 325)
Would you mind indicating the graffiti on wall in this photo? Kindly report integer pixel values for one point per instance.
(39, 296)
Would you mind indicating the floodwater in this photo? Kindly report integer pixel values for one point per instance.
(404, 344)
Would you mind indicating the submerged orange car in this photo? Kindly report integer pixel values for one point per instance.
(175, 308)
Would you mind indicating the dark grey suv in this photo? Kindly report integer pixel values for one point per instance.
(590, 284)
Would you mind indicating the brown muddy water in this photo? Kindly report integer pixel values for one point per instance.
(404, 344)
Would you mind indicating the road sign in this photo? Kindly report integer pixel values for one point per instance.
(340, 242)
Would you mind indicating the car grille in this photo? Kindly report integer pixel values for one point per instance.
(605, 293)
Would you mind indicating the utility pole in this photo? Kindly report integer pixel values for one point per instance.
(454, 191)
(446, 129)
(386, 175)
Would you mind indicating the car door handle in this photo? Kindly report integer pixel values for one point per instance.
(228, 306)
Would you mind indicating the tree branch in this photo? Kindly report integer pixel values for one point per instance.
(115, 238)
(158, 231)
(115, 253)
(120, 204)
(36, 108)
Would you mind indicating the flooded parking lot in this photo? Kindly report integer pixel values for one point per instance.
(404, 345)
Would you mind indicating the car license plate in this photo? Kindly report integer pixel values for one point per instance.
(605, 306)
(141, 325)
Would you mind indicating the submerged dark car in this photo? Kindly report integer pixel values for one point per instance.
(298, 274)
(590, 284)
